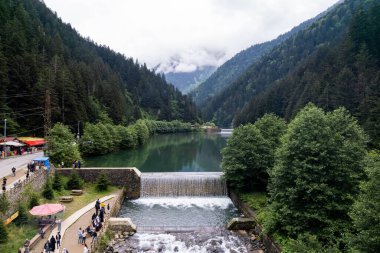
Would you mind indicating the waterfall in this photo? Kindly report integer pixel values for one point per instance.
(175, 184)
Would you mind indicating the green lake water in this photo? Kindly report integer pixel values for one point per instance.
(190, 152)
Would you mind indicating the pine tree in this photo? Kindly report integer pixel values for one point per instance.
(102, 182)
(3, 232)
(47, 191)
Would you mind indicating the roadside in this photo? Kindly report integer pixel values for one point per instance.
(17, 162)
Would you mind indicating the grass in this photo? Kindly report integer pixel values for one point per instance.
(256, 201)
(17, 235)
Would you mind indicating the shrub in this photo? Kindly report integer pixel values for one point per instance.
(47, 191)
(22, 217)
(3, 232)
(57, 182)
(4, 203)
(75, 182)
(33, 201)
(102, 182)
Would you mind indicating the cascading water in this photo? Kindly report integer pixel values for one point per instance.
(182, 212)
(183, 184)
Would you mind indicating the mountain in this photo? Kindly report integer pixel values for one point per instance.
(345, 74)
(187, 81)
(44, 61)
(279, 61)
(227, 73)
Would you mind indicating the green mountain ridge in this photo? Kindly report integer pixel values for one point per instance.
(40, 54)
(278, 62)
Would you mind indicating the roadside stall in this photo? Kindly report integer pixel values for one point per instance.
(33, 143)
(42, 162)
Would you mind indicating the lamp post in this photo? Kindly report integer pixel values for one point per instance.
(78, 133)
(5, 136)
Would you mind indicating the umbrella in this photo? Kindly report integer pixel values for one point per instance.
(47, 209)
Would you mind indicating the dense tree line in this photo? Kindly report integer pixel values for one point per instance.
(323, 187)
(347, 74)
(39, 54)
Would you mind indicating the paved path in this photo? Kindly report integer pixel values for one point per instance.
(79, 216)
(17, 162)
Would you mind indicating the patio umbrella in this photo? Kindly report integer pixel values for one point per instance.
(47, 209)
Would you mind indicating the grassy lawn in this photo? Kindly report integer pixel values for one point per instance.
(17, 235)
(257, 202)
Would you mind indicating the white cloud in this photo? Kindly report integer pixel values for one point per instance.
(192, 32)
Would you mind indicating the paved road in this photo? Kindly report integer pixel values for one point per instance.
(18, 162)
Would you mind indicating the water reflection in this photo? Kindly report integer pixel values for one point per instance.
(169, 153)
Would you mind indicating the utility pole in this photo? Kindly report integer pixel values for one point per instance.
(47, 117)
(5, 136)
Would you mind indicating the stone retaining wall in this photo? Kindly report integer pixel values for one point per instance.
(130, 178)
(270, 245)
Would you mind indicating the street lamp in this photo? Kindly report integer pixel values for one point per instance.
(5, 136)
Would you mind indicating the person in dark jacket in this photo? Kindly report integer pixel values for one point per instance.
(52, 243)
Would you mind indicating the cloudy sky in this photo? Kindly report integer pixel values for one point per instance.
(182, 35)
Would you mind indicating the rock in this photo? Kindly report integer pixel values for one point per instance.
(176, 249)
(145, 246)
(121, 225)
(241, 224)
(242, 233)
(258, 251)
(131, 233)
(116, 236)
(253, 237)
(125, 233)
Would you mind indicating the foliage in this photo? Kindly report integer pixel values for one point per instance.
(316, 174)
(62, 147)
(4, 203)
(257, 201)
(102, 182)
(310, 244)
(90, 82)
(3, 232)
(47, 191)
(366, 210)
(245, 159)
(142, 132)
(22, 217)
(57, 182)
(75, 182)
(33, 200)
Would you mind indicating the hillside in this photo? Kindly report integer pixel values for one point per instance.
(187, 81)
(347, 74)
(39, 54)
(328, 30)
(227, 73)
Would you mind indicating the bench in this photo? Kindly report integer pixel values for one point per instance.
(76, 192)
(37, 238)
(66, 198)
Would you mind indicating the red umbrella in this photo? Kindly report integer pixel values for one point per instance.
(47, 209)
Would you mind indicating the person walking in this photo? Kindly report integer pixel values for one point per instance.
(47, 247)
(58, 239)
(65, 250)
(52, 243)
(27, 175)
(94, 237)
(84, 234)
(79, 164)
(85, 248)
(14, 171)
(97, 207)
(79, 233)
(26, 246)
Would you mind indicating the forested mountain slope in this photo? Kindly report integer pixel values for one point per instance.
(233, 68)
(347, 74)
(87, 82)
(278, 62)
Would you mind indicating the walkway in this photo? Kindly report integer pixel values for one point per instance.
(69, 227)
(17, 162)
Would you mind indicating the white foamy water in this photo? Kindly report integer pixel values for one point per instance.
(209, 203)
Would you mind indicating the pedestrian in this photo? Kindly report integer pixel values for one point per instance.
(79, 233)
(79, 164)
(19, 250)
(93, 216)
(58, 239)
(65, 250)
(94, 236)
(74, 164)
(85, 249)
(4, 181)
(101, 215)
(84, 234)
(27, 175)
(26, 246)
(108, 207)
(41, 231)
(47, 247)
(14, 171)
(52, 243)
(97, 206)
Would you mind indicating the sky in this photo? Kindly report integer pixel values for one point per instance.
(183, 35)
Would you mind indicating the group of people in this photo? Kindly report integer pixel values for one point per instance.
(75, 164)
(53, 243)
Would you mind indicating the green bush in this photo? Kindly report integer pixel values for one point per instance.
(3, 232)
(102, 182)
(4, 203)
(33, 201)
(47, 191)
(22, 217)
(57, 182)
(75, 182)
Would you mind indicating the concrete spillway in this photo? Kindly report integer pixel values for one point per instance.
(176, 184)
